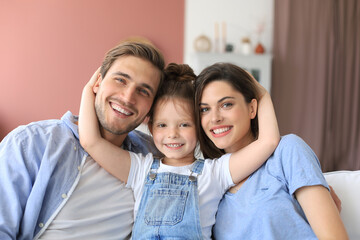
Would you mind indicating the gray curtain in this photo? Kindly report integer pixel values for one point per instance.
(316, 77)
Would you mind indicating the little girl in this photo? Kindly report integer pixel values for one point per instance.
(177, 196)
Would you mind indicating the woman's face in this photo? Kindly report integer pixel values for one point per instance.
(226, 116)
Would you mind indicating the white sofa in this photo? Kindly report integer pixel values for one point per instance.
(347, 186)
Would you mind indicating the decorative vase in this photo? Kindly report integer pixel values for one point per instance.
(259, 49)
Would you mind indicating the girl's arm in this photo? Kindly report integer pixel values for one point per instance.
(321, 212)
(112, 158)
(246, 160)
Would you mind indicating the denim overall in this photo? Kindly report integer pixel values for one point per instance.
(169, 208)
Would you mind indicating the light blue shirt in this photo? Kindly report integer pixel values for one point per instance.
(265, 206)
(39, 167)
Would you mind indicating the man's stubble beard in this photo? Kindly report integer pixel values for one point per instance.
(100, 113)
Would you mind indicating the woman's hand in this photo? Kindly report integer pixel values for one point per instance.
(260, 89)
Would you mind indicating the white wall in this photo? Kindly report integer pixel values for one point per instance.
(242, 18)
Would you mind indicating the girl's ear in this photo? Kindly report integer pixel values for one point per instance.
(97, 83)
(253, 108)
(150, 126)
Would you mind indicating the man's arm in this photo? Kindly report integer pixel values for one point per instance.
(15, 184)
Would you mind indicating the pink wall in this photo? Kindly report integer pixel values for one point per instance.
(49, 49)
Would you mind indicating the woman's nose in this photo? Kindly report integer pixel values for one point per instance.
(216, 116)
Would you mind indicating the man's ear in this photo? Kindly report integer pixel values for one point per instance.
(97, 83)
(253, 108)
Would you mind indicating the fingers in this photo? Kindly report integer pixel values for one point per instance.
(261, 90)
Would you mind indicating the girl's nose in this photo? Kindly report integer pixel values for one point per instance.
(173, 133)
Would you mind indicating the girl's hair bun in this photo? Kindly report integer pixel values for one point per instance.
(179, 72)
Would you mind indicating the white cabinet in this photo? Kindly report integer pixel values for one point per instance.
(257, 65)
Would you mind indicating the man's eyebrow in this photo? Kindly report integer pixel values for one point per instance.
(122, 74)
(220, 100)
(144, 85)
(148, 87)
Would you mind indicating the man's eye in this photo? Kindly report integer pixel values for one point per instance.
(144, 92)
(121, 80)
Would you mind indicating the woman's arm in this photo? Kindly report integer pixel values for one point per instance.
(321, 212)
(246, 160)
(112, 158)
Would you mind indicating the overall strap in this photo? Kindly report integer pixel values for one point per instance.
(198, 166)
(156, 164)
(153, 170)
(196, 170)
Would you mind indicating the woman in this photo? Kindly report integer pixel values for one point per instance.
(287, 197)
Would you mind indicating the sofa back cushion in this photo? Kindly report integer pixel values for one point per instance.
(347, 186)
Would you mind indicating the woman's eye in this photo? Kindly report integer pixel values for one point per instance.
(227, 105)
(203, 110)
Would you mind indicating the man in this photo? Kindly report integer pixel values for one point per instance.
(50, 187)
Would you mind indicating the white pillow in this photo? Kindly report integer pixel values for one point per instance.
(347, 186)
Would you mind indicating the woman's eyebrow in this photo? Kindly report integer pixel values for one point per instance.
(224, 98)
(219, 101)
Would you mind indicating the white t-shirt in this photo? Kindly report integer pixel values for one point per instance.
(214, 181)
(101, 207)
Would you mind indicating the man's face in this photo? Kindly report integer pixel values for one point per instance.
(125, 95)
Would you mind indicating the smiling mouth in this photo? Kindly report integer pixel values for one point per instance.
(119, 109)
(219, 131)
(174, 145)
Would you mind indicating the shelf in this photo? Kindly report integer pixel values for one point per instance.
(258, 65)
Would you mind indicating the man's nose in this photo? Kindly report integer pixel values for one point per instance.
(129, 95)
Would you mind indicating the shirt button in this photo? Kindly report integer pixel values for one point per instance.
(41, 225)
(79, 168)
(75, 148)
(63, 195)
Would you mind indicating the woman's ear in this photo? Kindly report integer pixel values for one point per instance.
(253, 108)
(97, 83)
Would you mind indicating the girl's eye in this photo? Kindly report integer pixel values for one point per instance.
(184, 125)
(161, 125)
(227, 105)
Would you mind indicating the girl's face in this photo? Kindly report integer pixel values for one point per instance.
(174, 131)
(226, 116)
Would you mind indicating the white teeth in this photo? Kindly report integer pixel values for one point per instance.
(173, 145)
(221, 130)
(119, 109)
